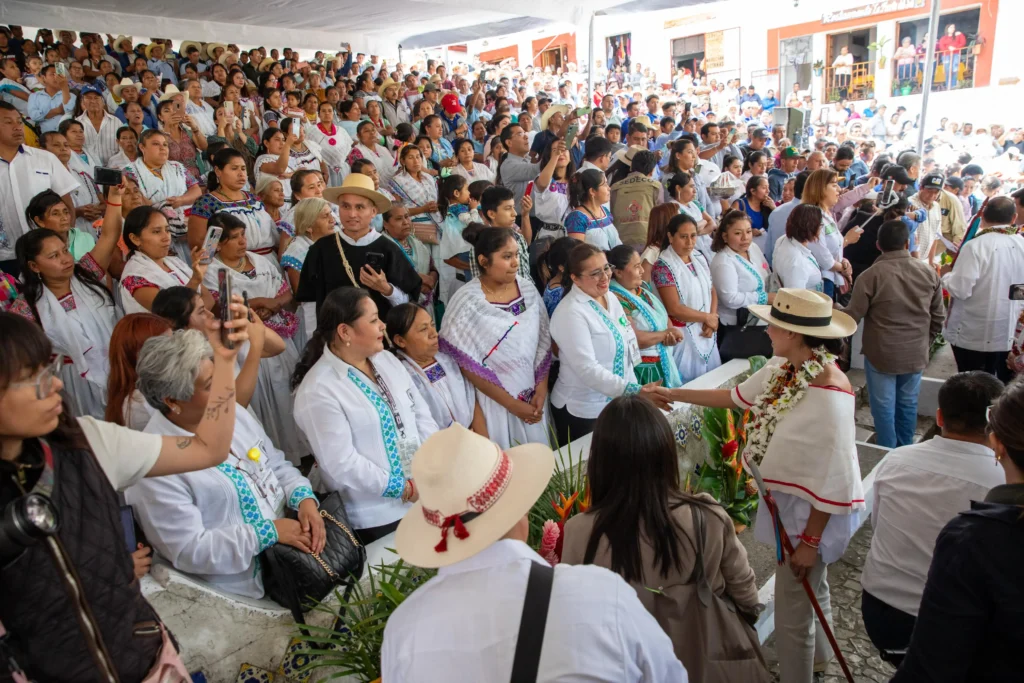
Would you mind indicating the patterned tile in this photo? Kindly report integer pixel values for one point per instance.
(249, 673)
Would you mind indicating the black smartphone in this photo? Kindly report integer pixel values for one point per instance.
(107, 176)
(376, 261)
(128, 524)
(224, 298)
(248, 311)
(1016, 292)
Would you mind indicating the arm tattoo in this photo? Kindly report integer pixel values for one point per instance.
(216, 408)
(183, 443)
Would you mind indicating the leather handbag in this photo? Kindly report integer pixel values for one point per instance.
(298, 580)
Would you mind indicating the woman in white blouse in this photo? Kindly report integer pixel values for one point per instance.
(285, 150)
(551, 191)
(450, 396)
(360, 413)
(466, 167)
(682, 188)
(198, 520)
(822, 191)
(740, 275)
(597, 347)
(795, 265)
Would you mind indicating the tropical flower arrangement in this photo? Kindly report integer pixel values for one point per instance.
(566, 495)
(722, 474)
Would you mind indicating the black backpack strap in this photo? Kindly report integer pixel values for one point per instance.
(532, 624)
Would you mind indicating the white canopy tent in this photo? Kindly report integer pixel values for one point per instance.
(374, 26)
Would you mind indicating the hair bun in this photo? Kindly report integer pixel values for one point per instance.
(472, 232)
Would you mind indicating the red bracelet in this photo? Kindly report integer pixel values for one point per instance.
(812, 541)
(412, 489)
(112, 204)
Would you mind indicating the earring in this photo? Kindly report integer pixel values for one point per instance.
(348, 343)
(175, 409)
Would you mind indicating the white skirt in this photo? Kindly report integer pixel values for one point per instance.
(507, 430)
(86, 398)
(689, 360)
(272, 401)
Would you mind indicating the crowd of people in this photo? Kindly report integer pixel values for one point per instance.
(438, 276)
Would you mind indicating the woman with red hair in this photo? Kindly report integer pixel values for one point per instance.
(125, 405)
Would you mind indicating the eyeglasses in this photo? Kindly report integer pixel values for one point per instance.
(45, 380)
(601, 274)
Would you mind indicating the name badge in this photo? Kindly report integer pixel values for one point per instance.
(256, 466)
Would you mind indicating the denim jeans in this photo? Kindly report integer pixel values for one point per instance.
(893, 401)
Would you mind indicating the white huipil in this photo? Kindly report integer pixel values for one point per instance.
(449, 395)
(197, 521)
(294, 256)
(505, 344)
(272, 402)
(795, 266)
(696, 354)
(173, 181)
(597, 351)
(739, 282)
(363, 437)
(140, 272)
(334, 148)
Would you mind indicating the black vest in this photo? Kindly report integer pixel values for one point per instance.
(35, 608)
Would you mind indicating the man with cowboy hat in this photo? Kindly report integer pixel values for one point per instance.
(358, 256)
(128, 91)
(213, 51)
(396, 109)
(191, 51)
(471, 521)
(157, 64)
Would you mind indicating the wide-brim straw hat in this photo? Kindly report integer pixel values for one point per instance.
(388, 82)
(266, 64)
(120, 39)
(170, 92)
(210, 47)
(626, 154)
(151, 47)
(186, 44)
(471, 493)
(125, 83)
(361, 185)
(562, 109)
(805, 312)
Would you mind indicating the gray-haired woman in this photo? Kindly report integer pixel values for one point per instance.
(198, 520)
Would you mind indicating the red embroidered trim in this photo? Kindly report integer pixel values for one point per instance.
(479, 502)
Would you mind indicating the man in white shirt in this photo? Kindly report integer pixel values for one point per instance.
(918, 489)
(24, 173)
(982, 317)
(464, 625)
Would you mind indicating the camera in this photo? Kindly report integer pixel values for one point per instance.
(24, 522)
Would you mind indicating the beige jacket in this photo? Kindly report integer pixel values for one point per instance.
(632, 199)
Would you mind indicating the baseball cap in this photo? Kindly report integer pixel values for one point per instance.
(955, 183)
(791, 153)
(430, 87)
(897, 173)
(933, 181)
(759, 133)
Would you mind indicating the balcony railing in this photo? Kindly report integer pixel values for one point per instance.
(952, 72)
(859, 84)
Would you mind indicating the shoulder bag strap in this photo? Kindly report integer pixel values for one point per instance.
(344, 262)
(526, 662)
(699, 576)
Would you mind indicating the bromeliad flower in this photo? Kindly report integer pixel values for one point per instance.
(549, 542)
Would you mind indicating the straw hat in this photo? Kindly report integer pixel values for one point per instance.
(210, 47)
(562, 109)
(223, 60)
(388, 82)
(361, 185)
(626, 154)
(151, 47)
(266, 64)
(125, 83)
(471, 493)
(805, 312)
(170, 92)
(186, 44)
(120, 39)
(643, 121)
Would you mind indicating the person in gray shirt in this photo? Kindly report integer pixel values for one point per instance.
(515, 170)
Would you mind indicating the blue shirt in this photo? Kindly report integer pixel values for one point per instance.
(770, 103)
(147, 117)
(163, 70)
(39, 104)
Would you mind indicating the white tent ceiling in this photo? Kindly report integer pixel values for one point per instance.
(372, 26)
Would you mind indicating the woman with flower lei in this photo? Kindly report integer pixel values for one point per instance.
(807, 455)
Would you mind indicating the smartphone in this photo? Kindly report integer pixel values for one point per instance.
(570, 135)
(229, 107)
(224, 298)
(375, 260)
(128, 526)
(248, 311)
(886, 193)
(1016, 292)
(528, 192)
(213, 234)
(107, 176)
(583, 111)
(61, 69)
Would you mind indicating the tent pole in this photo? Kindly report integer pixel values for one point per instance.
(929, 72)
(590, 61)
(399, 54)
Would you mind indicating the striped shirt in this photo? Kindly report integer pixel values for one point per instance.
(102, 144)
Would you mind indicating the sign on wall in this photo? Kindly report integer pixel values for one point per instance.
(871, 10)
(714, 51)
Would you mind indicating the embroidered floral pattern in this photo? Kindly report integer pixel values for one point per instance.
(516, 307)
(762, 296)
(396, 480)
(434, 373)
(619, 363)
(135, 282)
(67, 302)
(300, 494)
(266, 532)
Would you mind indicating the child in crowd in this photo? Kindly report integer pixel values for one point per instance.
(454, 203)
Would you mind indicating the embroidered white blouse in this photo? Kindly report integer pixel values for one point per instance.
(795, 266)
(597, 349)
(355, 437)
(215, 522)
(739, 282)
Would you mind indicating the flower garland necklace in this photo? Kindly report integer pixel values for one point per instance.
(784, 389)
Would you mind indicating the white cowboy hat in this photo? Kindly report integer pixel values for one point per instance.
(151, 47)
(562, 109)
(805, 312)
(125, 83)
(361, 185)
(185, 45)
(626, 154)
(266, 64)
(210, 47)
(120, 39)
(170, 92)
(471, 493)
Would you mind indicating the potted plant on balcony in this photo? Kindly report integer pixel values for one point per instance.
(976, 44)
(878, 46)
(819, 68)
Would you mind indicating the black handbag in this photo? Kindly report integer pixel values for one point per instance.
(298, 580)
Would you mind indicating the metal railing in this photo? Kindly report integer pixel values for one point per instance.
(859, 84)
(953, 71)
